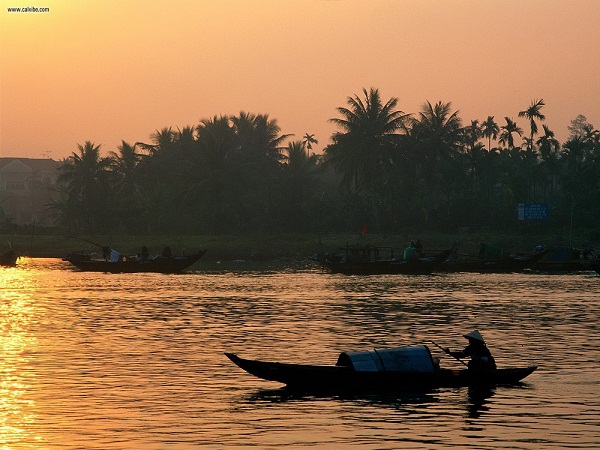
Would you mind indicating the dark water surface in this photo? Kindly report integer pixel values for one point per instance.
(100, 361)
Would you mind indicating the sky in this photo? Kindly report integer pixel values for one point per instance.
(111, 70)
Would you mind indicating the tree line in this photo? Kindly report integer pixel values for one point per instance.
(384, 168)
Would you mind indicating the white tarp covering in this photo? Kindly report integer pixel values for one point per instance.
(403, 359)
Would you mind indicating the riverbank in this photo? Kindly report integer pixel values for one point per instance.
(291, 246)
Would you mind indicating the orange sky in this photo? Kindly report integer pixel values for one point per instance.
(107, 70)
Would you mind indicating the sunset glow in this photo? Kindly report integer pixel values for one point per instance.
(17, 407)
(107, 71)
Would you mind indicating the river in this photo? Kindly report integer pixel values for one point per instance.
(132, 361)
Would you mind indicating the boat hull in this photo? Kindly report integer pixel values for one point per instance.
(342, 378)
(171, 264)
(417, 266)
(506, 265)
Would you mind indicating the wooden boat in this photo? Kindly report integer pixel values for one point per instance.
(561, 260)
(9, 258)
(395, 369)
(367, 260)
(502, 264)
(158, 264)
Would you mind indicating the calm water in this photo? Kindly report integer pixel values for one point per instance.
(136, 361)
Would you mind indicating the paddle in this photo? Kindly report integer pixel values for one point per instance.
(448, 353)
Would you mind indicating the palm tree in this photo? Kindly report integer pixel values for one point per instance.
(532, 114)
(84, 175)
(472, 133)
(438, 130)
(574, 150)
(258, 137)
(129, 194)
(258, 151)
(125, 162)
(506, 135)
(437, 133)
(308, 140)
(300, 176)
(163, 141)
(547, 143)
(363, 149)
(216, 166)
(185, 139)
(549, 151)
(490, 130)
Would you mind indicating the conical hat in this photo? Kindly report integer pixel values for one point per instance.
(476, 335)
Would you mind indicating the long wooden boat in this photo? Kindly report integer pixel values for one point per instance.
(366, 261)
(159, 264)
(504, 264)
(377, 370)
(564, 260)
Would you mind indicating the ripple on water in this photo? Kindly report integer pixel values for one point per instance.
(136, 361)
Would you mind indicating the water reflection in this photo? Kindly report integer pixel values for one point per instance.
(136, 361)
(477, 401)
(282, 395)
(17, 350)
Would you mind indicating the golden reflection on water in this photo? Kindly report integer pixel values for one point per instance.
(136, 360)
(17, 350)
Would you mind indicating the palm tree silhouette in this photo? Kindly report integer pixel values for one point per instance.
(490, 130)
(85, 176)
(361, 152)
(549, 151)
(472, 133)
(308, 140)
(532, 114)
(506, 135)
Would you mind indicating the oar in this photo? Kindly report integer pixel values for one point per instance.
(448, 353)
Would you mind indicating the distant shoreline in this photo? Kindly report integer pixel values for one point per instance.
(269, 247)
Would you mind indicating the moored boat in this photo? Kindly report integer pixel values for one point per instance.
(376, 370)
(498, 263)
(368, 260)
(565, 260)
(158, 264)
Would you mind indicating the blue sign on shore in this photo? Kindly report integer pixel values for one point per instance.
(533, 211)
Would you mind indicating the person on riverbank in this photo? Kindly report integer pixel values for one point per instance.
(481, 357)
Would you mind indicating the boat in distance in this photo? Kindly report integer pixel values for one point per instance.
(366, 260)
(501, 264)
(158, 264)
(398, 369)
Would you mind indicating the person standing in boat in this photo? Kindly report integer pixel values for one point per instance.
(481, 357)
